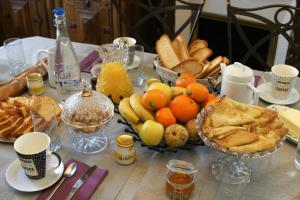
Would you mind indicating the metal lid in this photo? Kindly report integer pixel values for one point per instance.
(87, 109)
(34, 76)
(181, 166)
(238, 73)
(124, 140)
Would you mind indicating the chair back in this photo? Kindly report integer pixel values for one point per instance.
(152, 10)
(276, 27)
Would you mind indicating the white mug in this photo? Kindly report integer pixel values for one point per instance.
(283, 80)
(51, 63)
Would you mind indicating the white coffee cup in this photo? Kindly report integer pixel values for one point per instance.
(51, 63)
(33, 152)
(283, 80)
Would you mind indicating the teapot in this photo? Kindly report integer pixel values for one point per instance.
(238, 83)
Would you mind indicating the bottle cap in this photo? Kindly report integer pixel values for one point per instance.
(59, 11)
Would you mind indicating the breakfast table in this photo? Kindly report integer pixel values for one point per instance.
(274, 176)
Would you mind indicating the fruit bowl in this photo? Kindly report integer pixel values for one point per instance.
(161, 147)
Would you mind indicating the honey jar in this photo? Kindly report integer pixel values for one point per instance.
(125, 153)
(35, 83)
(180, 180)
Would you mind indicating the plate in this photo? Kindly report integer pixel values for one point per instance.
(265, 94)
(291, 137)
(17, 179)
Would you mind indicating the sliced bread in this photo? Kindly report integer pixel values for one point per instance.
(191, 66)
(166, 53)
(202, 54)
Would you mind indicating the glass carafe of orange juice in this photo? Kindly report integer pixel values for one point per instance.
(113, 79)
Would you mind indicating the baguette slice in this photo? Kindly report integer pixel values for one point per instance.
(181, 39)
(166, 53)
(191, 66)
(197, 44)
(180, 50)
(226, 61)
(202, 54)
(24, 126)
(203, 73)
(214, 64)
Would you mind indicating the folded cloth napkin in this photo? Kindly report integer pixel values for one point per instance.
(85, 191)
(256, 80)
(87, 63)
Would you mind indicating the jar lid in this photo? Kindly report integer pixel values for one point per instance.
(124, 140)
(238, 73)
(87, 109)
(181, 166)
(34, 76)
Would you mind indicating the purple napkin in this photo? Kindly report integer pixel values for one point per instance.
(87, 63)
(256, 80)
(85, 191)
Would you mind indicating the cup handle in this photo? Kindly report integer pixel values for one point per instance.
(38, 56)
(255, 97)
(51, 153)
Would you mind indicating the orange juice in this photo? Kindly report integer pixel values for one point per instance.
(114, 81)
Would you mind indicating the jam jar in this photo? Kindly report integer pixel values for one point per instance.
(125, 153)
(180, 179)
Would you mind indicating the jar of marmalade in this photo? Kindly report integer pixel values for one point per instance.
(35, 83)
(180, 179)
(125, 153)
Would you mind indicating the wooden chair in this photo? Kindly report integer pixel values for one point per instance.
(151, 10)
(276, 27)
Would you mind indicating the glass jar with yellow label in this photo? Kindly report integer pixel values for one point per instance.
(35, 83)
(124, 150)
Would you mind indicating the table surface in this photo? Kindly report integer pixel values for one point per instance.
(274, 176)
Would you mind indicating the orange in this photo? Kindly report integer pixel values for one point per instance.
(210, 100)
(154, 99)
(165, 116)
(197, 91)
(184, 108)
(184, 80)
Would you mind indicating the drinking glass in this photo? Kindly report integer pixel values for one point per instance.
(297, 158)
(135, 64)
(15, 55)
(44, 120)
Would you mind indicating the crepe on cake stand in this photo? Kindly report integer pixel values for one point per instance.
(234, 167)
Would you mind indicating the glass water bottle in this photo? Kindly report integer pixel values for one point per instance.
(66, 70)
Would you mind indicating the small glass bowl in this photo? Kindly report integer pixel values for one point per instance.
(86, 115)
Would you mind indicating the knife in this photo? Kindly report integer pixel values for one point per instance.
(80, 182)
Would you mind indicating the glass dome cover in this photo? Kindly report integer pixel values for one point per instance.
(87, 110)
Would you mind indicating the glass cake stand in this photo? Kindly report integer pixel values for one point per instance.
(233, 168)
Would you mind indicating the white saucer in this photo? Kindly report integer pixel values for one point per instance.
(265, 94)
(16, 178)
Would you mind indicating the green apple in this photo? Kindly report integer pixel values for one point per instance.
(151, 133)
(162, 87)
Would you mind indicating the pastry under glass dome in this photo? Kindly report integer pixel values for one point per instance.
(86, 115)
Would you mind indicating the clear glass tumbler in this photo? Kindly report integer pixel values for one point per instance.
(297, 158)
(15, 55)
(44, 120)
(134, 66)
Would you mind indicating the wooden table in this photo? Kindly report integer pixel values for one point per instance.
(274, 177)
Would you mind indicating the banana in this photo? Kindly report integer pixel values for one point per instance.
(151, 80)
(176, 91)
(127, 112)
(139, 109)
(137, 127)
